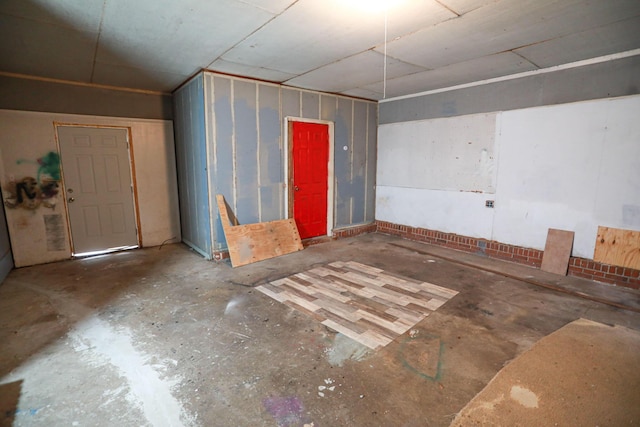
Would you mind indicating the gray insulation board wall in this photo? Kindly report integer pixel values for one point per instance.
(619, 77)
(191, 159)
(246, 149)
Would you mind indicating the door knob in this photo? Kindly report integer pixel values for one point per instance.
(71, 199)
(295, 187)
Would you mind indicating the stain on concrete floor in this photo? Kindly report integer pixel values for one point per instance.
(84, 342)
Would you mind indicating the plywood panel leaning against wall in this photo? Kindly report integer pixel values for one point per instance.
(256, 242)
(557, 251)
(618, 247)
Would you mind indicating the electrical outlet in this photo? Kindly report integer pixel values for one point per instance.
(489, 203)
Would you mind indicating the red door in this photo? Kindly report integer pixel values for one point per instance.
(310, 178)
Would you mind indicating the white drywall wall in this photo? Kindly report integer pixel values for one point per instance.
(447, 211)
(446, 154)
(570, 166)
(27, 136)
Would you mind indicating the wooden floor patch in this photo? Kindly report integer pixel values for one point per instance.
(364, 303)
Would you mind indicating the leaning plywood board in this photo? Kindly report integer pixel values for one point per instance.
(256, 242)
(618, 247)
(557, 251)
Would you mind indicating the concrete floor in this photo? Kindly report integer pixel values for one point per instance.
(162, 337)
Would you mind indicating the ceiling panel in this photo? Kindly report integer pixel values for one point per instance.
(58, 49)
(357, 70)
(618, 37)
(311, 34)
(464, 6)
(505, 25)
(178, 37)
(272, 6)
(330, 45)
(363, 93)
(465, 72)
(246, 70)
(80, 15)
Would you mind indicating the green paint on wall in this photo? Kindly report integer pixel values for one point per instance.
(50, 166)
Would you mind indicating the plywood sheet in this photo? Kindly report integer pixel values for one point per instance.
(583, 374)
(619, 247)
(557, 251)
(256, 242)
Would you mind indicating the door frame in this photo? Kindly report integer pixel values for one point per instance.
(132, 170)
(288, 168)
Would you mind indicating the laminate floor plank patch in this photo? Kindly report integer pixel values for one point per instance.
(394, 281)
(314, 314)
(287, 287)
(372, 326)
(366, 304)
(345, 282)
(300, 281)
(353, 326)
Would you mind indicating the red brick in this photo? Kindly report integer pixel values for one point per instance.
(533, 253)
(633, 284)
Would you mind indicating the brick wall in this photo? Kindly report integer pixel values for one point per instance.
(589, 269)
(579, 267)
(354, 231)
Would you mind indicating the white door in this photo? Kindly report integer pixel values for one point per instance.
(98, 188)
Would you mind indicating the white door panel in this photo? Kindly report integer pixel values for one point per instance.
(97, 184)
